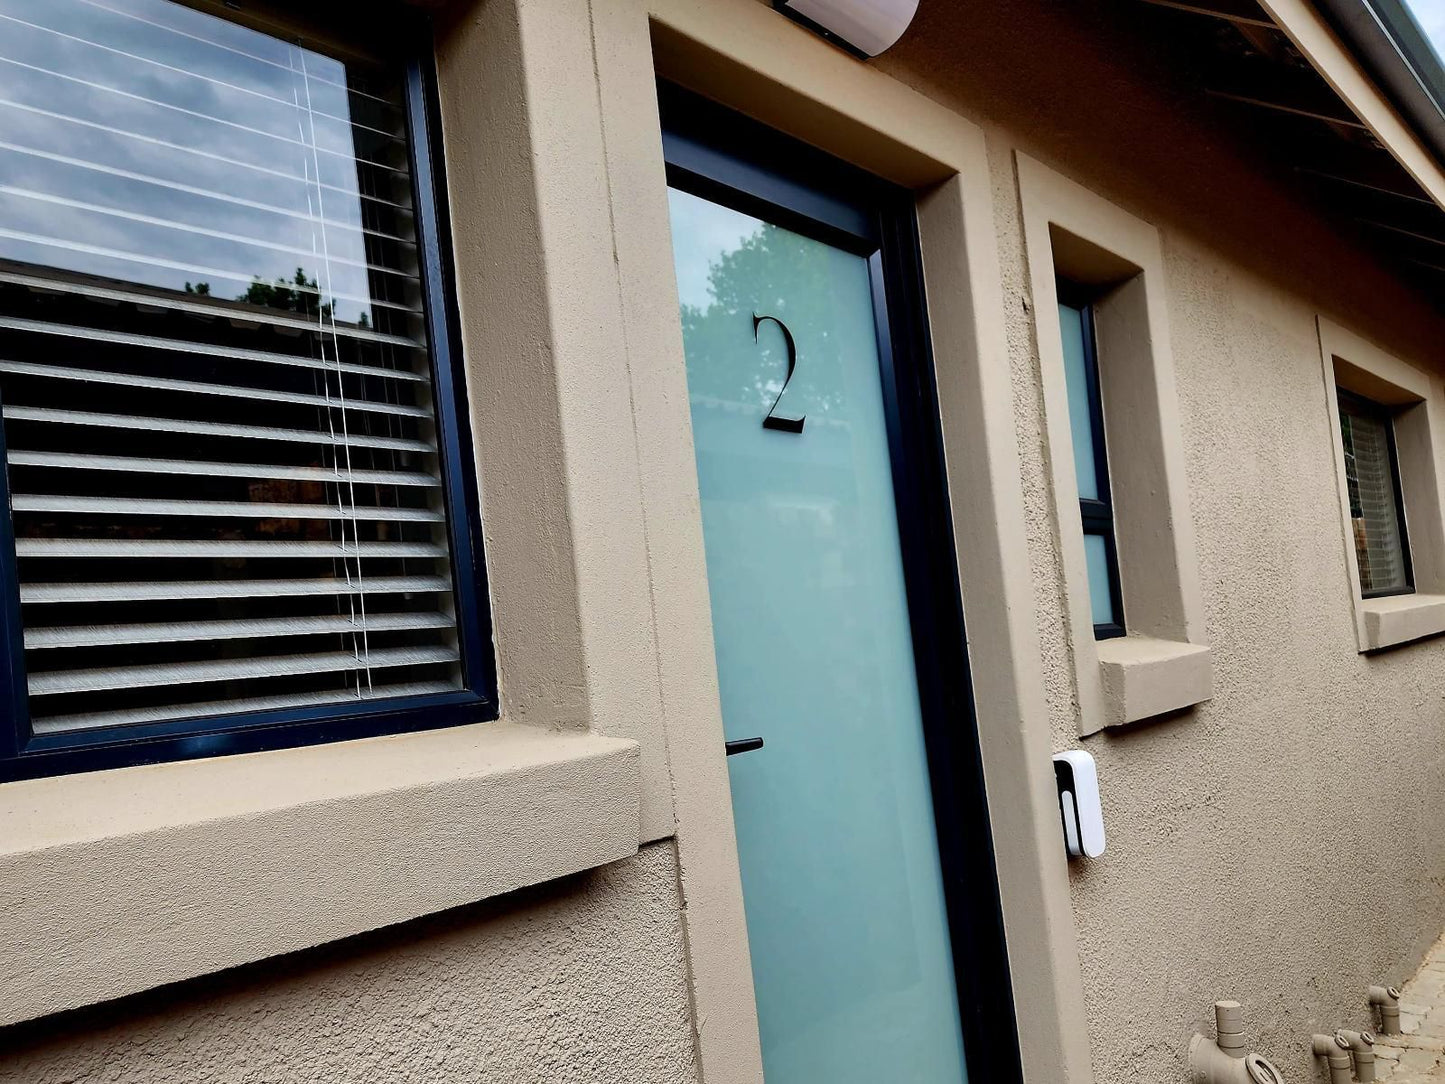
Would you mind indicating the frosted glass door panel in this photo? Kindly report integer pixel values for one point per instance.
(841, 876)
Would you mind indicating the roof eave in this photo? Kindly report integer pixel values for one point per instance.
(1391, 47)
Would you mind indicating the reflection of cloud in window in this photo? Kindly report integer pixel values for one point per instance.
(1431, 14)
(130, 148)
(731, 266)
(701, 234)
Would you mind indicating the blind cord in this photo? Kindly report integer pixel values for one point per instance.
(357, 597)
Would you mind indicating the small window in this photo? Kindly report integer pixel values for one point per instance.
(236, 461)
(1091, 463)
(1377, 511)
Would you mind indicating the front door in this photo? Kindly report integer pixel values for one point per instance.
(817, 465)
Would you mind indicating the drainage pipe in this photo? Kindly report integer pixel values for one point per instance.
(1387, 1000)
(1362, 1046)
(1210, 1065)
(1335, 1049)
(1223, 1061)
(1229, 1028)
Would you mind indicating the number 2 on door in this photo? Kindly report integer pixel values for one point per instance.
(772, 421)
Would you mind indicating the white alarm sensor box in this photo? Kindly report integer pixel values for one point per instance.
(1083, 816)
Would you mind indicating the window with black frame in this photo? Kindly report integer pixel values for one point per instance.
(1377, 510)
(240, 503)
(1091, 463)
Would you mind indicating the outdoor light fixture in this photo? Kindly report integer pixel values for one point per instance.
(864, 27)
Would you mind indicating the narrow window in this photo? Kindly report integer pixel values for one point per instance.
(1091, 463)
(1377, 511)
(235, 456)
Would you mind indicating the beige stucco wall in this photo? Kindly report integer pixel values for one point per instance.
(574, 982)
(1273, 846)
(1279, 844)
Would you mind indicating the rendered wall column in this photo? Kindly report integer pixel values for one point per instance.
(720, 973)
(543, 322)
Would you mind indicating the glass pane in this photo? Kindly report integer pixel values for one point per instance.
(1370, 479)
(1101, 593)
(840, 865)
(216, 381)
(1081, 420)
(155, 145)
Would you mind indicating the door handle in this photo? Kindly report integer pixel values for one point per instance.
(743, 745)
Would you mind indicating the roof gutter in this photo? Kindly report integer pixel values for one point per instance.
(1389, 44)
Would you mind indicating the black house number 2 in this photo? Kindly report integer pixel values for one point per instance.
(772, 421)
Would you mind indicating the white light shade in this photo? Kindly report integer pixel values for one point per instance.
(866, 26)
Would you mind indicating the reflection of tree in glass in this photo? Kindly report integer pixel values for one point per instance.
(772, 272)
(300, 294)
(296, 295)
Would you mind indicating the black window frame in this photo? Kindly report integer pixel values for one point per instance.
(1097, 515)
(26, 755)
(1354, 403)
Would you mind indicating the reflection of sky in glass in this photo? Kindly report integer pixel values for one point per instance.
(1431, 16)
(700, 241)
(147, 142)
(733, 268)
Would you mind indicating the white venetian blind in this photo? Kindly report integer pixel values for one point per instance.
(1370, 480)
(216, 388)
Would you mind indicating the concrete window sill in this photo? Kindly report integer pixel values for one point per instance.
(1400, 619)
(115, 882)
(1143, 677)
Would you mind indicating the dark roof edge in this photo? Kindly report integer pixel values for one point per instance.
(1395, 53)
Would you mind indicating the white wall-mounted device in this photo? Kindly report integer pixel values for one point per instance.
(864, 27)
(1083, 816)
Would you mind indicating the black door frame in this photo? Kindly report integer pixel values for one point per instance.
(725, 157)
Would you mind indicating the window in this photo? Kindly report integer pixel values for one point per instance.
(242, 515)
(1377, 513)
(1116, 474)
(1091, 464)
(1385, 429)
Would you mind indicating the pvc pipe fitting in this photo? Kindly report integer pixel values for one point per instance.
(1229, 1028)
(1335, 1049)
(1387, 1000)
(1210, 1065)
(1223, 1060)
(1362, 1046)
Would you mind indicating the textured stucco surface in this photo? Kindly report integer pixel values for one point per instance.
(572, 983)
(1414, 1055)
(116, 882)
(1278, 845)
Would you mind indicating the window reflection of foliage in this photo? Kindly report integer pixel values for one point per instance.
(299, 294)
(772, 272)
